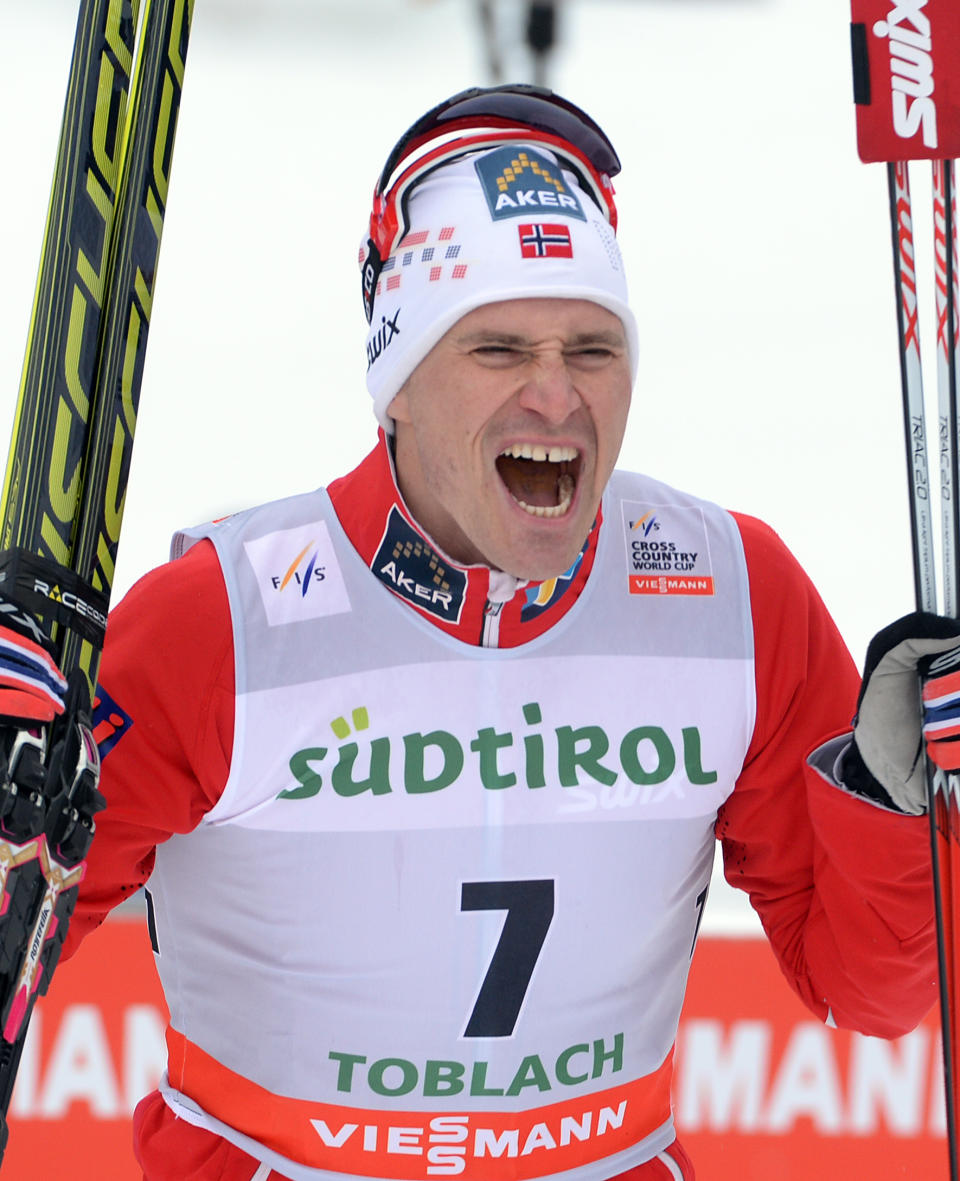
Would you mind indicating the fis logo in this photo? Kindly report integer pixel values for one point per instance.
(304, 578)
(646, 525)
(308, 587)
(667, 551)
(518, 183)
(907, 29)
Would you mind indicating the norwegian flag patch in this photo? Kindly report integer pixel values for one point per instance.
(545, 240)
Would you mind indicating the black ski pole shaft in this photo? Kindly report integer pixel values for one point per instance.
(924, 575)
(911, 384)
(948, 813)
(946, 384)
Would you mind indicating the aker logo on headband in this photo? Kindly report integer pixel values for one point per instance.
(519, 182)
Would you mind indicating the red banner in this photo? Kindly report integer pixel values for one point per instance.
(95, 1047)
(906, 64)
(762, 1089)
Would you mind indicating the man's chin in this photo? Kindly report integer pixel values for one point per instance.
(537, 558)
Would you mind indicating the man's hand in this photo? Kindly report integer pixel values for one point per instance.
(31, 685)
(49, 765)
(941, 708)
(49, 771)
(895, 718)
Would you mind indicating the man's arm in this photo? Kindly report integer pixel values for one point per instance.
(842, 886)
(168, 666)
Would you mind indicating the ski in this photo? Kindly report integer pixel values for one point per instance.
(48, 444)
(70, 458)
(903, 58)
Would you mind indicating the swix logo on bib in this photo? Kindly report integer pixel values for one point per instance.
(297, 574)
(520, 182)
(394, 753)
(907, 78)
(667, 550)
(411, 569)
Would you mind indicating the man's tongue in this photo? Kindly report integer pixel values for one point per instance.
(538, 484)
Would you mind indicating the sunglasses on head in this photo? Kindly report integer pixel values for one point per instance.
(473, 121)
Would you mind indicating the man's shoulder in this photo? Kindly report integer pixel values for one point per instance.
(631, 485)
(763, 548)
(627, 485)
(257, 520)
(769, 559)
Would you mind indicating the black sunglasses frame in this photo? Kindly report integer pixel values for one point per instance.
(521, 104)
(518, 107)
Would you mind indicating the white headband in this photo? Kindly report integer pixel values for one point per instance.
(502, 224)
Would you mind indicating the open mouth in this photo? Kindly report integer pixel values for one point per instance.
(541, 479)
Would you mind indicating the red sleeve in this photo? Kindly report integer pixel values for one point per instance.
(166, 725)
(843, 888)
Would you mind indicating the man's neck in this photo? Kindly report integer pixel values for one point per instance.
(474, 603)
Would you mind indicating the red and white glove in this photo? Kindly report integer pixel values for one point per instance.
(31, 686)
(49, 763)
(941, 708)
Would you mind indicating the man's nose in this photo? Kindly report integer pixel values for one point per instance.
(550, 390)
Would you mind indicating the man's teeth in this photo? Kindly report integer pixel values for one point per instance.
(565, 487)
(566, 484)
(541, 454)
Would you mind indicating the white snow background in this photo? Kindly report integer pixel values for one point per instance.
(757, 246)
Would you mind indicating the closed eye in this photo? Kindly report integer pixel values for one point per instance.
(593, 357)
(498, 354)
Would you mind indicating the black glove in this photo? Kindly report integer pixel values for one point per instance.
(885, 761)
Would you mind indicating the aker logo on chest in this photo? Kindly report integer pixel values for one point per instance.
(518, 182)
(411, 569)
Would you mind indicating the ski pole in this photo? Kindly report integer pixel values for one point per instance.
(903, 56)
